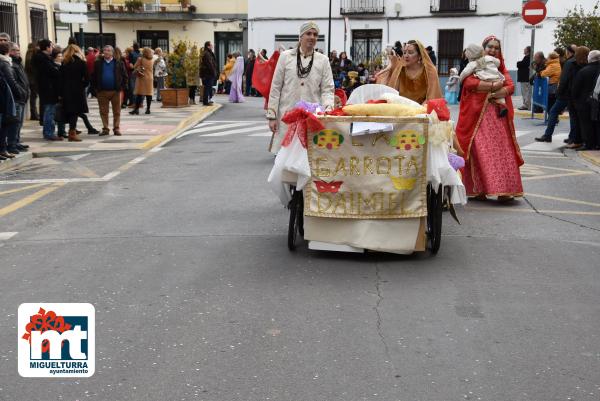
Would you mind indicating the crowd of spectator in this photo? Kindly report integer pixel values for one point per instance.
(573, 83)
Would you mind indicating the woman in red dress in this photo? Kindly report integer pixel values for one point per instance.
(492, 153)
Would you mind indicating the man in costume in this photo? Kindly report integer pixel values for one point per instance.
(301, 74)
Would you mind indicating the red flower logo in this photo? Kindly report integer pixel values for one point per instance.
(42, 322)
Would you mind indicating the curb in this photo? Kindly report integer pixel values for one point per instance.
(21, 158)
(162, 140)
(72, 152)
(149, 144)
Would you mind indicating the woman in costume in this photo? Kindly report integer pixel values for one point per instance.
(301, 74)
(235, 94)
(413, 74)
(489, 142)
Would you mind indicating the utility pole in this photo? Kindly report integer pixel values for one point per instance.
(329, 33)
(99, 8)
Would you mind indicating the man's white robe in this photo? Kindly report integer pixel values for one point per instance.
(287, 88)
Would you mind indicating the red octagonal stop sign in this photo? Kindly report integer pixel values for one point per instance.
(534, 12)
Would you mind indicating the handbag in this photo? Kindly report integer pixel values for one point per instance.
(139, 72)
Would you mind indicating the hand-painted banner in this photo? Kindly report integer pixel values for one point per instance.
(375, 176)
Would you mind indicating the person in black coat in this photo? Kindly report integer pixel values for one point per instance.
(249, 70)
(208, 72)
(584, 83)
(563, 100)
(73, 82)
(46, 77)
(14, 135)
(523, 78)
(432, 55)
(18, 92)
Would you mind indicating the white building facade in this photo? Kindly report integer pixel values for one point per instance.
(364, 27)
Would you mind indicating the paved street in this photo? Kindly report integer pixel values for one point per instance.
(182, 251)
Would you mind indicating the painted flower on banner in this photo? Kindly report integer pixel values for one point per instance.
(408, 140)
(329, 139)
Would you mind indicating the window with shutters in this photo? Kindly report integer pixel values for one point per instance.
(450, 47)
(39, 24)
(8, 20)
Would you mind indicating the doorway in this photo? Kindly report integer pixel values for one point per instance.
(366, 45)
(227, 43)
(154, 39)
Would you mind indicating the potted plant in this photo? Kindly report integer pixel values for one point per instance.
(176, 94)
(111, 8)
(192, 8)
(133, 5)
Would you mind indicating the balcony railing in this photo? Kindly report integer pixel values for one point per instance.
(356, 7)
(453, 6)
(150, 10)
(143, 8)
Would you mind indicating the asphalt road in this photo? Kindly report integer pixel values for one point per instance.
(184, 257)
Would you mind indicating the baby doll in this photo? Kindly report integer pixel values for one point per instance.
(486, 69)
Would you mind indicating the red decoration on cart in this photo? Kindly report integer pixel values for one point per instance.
(340, 93)
(300, 122)
(440, 107)
(331, 187)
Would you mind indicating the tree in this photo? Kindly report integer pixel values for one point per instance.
(579, 27)
(176, 65)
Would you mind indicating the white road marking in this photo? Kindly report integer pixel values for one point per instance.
(204, 123)
(111, 175)
(522, 133)
(269, 134)
(137, 160)
(7, 235)
(238, 131)
(210, 128)
(554, 146)
(237, 121)
(78, 157)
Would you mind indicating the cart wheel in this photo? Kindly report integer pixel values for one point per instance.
(296, 225)
(435, 203)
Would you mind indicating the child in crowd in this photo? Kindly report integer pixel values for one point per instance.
(452, 87)
(486, 69)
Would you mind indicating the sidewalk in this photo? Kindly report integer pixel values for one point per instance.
(139, 131)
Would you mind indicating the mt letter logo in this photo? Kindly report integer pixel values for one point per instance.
(57, 340)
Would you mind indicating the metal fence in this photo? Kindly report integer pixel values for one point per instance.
(362, 7)
(445, 6)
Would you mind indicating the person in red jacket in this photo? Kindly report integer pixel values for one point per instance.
(90, 59)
